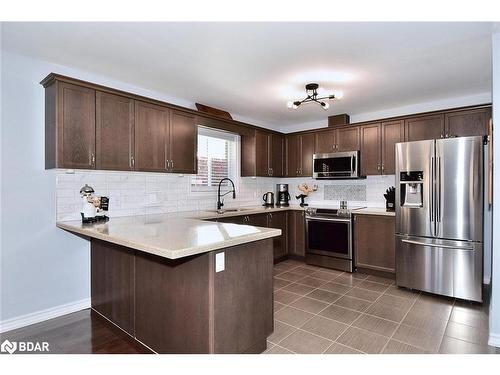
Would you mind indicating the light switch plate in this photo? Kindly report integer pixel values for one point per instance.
(219, 262)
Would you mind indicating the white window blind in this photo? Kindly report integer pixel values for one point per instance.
(216, 158)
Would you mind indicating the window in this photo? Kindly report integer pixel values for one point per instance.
(217, 152)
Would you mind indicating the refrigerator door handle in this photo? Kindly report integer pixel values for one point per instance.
(438, 196)
(431, 191)
(437, 245)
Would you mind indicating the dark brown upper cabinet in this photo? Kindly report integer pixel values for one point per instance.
(182, 143)
(324, 142)
(371, 146)
(262, 154)
(467, 123)
(392, 133)
(69, 126)
(377, 146)
(299, 154)
(114, 132)
(348, 138)
(425, 127)
(151, 136)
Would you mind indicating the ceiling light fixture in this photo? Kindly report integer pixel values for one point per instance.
(312, 96)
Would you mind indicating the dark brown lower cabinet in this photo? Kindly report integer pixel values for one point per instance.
(296, 233)
(183, 305)
(374, 242)
(278, 220)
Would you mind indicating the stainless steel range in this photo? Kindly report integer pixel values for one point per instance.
(329, 237)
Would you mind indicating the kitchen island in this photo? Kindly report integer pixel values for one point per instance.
(183, 285)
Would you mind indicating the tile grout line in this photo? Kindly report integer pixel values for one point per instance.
(383, 293)
(330, 304)
(360, 315)
(399, 325)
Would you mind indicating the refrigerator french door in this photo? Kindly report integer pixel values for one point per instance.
(439, 216)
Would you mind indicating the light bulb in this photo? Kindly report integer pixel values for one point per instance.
(339, 95)
(325, 105)
(289, 104)
(295, 106)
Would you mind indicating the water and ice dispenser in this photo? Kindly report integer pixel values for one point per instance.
(412, 189)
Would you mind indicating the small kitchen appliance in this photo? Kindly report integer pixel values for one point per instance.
(283, 196)
(336, 165)
(93, 207)
(268, 199)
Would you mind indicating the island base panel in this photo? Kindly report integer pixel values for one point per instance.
(183, 305)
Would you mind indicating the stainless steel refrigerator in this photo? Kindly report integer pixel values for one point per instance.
(439, 216)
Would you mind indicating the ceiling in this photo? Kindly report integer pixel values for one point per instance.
(253, 69)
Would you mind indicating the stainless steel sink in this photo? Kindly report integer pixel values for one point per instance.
(223, 211)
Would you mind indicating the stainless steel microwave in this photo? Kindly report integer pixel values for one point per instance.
(337, 165)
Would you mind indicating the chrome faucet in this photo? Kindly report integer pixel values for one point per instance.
(220, 202)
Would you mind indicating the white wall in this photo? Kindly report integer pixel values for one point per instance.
(454, 102)
(495, 277)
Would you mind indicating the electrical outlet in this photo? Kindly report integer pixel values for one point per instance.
(219, 262)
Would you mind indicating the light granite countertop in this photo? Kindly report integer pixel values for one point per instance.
(182, 234)
(170, 236)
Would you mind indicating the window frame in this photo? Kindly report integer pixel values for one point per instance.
(233, 170)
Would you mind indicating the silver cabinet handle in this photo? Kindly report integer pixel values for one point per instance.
(437, 245)
(378, 167)
(382, 167)
(92, 160)
(132, 162)
(171, 165)
(166, 164)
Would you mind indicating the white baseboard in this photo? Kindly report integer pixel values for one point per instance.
(40, 316)
(494, 340)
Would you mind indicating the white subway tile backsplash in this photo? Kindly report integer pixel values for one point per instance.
(135, 193)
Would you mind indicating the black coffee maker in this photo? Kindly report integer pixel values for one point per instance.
(283, 197)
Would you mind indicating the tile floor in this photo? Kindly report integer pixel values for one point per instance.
(318, 310)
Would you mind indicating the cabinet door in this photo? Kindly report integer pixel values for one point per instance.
(374, 242)
(277, 155)
(370, 149)
(278, 220)
(151, 129)
(324, 142)
(422, 128)
(233, 219)
(307, 151)
(296, 233)
(183, 140)
(258, 220)
(292, 155)
(467, 123)
(114, 132)
(262, 150)
(76, 126)
(392, 133)
(348, 139)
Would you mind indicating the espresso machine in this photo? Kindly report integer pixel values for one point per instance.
(282, 195)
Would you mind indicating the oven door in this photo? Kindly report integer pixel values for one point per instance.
(330, 237)
(337, 165)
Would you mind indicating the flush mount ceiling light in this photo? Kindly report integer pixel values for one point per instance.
(312, 96)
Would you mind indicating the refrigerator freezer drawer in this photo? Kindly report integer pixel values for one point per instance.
(450, 268)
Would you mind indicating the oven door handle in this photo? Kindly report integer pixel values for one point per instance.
(343, 220)
(353, 165)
